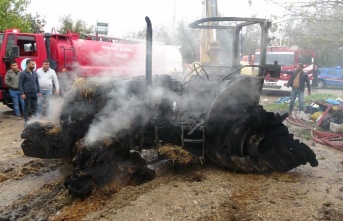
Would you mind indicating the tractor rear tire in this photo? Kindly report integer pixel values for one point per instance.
(261, 143)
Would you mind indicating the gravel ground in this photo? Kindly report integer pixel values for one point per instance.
(32, 189)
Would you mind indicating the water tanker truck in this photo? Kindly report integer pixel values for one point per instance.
(82, 57)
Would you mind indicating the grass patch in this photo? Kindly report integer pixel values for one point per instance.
(318, 96)
(305, 134)
(279, 107)
(283, 107)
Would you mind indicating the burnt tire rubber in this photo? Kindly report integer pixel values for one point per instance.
(43, 141)
(260, 143)
(98, 164)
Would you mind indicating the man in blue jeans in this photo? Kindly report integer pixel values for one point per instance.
(47, 79)
(29, 89)
(297, 82)
(12, 81)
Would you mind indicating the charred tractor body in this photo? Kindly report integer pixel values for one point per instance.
(214, 114)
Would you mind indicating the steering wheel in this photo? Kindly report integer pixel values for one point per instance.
(196, 66)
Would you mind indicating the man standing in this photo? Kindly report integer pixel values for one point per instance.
(297, 82)
(12, 81)
(29, 89)
(47, 78)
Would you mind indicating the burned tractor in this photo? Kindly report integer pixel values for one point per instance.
(213, 115)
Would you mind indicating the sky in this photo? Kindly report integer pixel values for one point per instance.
(129, 16)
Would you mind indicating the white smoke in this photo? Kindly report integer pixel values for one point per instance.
(123, 109)
(126, 59)
(118, 114)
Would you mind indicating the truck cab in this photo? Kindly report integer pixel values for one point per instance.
(18, 47)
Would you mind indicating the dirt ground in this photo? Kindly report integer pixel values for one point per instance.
(32, 189)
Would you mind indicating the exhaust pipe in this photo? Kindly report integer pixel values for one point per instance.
(47, 45)
(148, 52)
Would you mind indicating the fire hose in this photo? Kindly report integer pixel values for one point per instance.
(323, 137)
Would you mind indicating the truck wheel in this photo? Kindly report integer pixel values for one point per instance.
(321, 84)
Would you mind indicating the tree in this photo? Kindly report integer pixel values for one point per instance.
(13, 15)
(78, 26)
(141, 34)
(189, 40)
(250, 39)
(315, 24)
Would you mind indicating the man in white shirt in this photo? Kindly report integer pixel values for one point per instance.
(47, 79)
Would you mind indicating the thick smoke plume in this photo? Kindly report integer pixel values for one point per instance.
(118, 114)
(123, 109)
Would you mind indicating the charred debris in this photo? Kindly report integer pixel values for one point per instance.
(107, 127)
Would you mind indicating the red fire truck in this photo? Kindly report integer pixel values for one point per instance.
(83, 57)
(287, 57)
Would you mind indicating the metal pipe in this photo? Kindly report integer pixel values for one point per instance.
(264, 44)
(148, 52)
(47, 45)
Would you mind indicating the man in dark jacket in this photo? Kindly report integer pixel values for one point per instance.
(29, 89)
(297, 82)
(11, 80)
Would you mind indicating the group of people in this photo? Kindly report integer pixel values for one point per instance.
(30, 89)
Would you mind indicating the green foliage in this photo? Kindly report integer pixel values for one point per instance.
(305, 134)
(251, 36)
(141, 34)
(78, 26)
(315, 24)
(13, 15)
(274, 28)
(164, 34)
(188, 39)
(318, 96)
(279, 107)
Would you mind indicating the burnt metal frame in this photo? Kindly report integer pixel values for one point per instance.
(264, 23)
